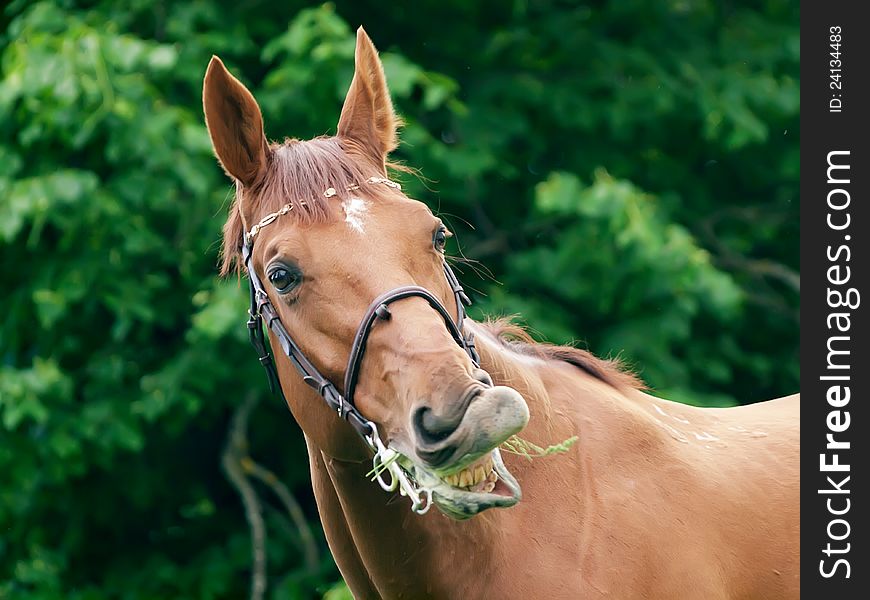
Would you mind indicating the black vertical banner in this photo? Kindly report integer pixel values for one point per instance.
(835, 222)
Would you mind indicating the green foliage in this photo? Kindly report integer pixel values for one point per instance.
(627, 171)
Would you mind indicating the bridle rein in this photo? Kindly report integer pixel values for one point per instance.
(262, 311)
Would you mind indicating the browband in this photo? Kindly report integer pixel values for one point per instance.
(329, 193)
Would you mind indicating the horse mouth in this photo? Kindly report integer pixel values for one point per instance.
(464, 491)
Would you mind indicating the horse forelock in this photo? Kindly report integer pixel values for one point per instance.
(298, 172)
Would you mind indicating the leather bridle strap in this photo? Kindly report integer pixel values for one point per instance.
(462, 300)
(261, 309)
(378, 310)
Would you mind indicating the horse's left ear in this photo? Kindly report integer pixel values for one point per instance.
(235, 124)
(367, 118)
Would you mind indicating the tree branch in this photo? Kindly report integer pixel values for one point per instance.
(239, 466)
(291, 505)
(235, 450)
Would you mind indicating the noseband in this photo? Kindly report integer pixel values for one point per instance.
(262, 310)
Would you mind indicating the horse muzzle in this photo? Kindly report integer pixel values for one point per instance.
(464, 468)
(490, 416)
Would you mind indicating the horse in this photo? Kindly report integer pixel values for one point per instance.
(655, 500)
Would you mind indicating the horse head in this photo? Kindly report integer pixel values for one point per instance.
(323, 233)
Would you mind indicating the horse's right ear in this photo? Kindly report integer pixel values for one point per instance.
(367, 117)
(234, 123)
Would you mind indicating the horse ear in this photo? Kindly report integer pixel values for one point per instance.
(367, 117)
(234, 123)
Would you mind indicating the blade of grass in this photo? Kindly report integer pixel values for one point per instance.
(382, 466)
(528, 450)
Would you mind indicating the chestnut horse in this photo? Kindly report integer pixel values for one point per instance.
(655, 500)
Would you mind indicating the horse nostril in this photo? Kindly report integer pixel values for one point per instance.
(483, 377)
(431, 428)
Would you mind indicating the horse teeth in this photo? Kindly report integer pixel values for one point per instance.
(479, 475)
(464, 478)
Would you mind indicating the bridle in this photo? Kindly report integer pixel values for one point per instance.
(262, 310)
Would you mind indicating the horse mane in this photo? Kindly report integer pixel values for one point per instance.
(299, 172)
(515, 338)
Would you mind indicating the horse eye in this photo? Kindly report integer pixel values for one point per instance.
(439, 240)
(284, 279)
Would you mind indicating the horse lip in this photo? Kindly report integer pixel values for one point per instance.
(469, 442)
(442, 452)
(452, 456)
(502, 413)
(460, 504)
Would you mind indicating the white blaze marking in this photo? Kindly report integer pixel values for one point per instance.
(354, 209)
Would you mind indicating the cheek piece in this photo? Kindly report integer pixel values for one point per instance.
(262, 312)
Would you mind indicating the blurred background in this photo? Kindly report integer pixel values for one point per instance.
(626, 173)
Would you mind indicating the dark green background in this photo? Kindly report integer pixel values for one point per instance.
(627, 171)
